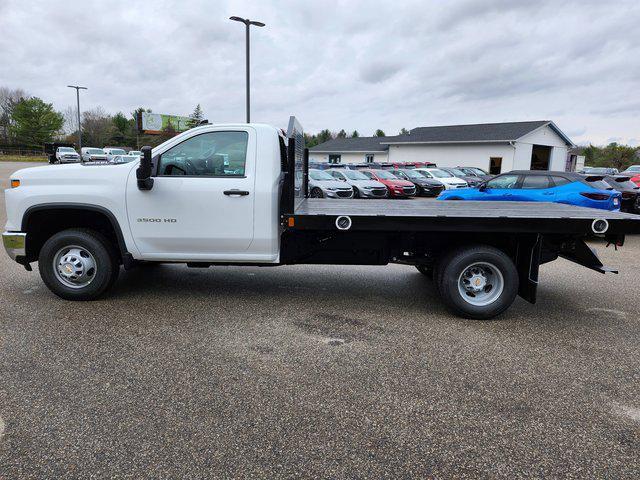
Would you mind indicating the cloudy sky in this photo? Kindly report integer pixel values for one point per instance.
(339, 64)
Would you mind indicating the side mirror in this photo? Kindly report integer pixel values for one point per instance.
(482, 187)
(143, 173)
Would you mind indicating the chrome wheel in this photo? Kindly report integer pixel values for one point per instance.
(74, 266)
(480, 284)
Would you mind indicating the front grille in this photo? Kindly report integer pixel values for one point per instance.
(344, 193)
(381, 192)
(460, 186)
(409, 190)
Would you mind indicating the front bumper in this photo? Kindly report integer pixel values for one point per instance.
(338, 193)
(15, 243)
(377, 193)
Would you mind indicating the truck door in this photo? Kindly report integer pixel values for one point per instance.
(201, 206)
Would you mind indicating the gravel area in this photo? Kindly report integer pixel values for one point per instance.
(316, 372)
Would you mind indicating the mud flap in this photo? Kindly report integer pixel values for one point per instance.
(580, 253)
(528, 265)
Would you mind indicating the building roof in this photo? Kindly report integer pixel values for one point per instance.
(475, 133)
(480, 132)
(358, 144)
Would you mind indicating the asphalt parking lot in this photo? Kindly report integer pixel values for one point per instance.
(340, 372)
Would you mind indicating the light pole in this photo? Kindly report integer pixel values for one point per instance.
(78, 88)
(247, 24)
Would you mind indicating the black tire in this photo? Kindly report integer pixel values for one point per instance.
(107, 266)
(456, 262)
(426, 270)
(356, 193)
(316, 193)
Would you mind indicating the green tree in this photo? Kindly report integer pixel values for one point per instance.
(196, 117)
(379, 133)
(35, 122)
(613, 155)
(9, 98)
(355, 134)
(404, 131)
(341, 134)
(324, 136)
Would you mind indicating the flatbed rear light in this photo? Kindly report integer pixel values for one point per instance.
(595, 196)
(15, 183)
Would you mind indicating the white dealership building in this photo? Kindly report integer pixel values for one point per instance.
(494, 147)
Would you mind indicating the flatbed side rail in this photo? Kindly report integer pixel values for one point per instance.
(443, 223)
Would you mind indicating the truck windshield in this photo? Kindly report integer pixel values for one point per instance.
(440, 173)
(95, 151)
(320, 176)
(118, 151)
(66, 149)
(354, 175)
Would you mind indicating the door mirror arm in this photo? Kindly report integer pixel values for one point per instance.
(143, 173)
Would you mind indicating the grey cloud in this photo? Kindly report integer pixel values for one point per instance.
(378, 72)
(336, 64)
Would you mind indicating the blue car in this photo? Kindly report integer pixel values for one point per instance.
(543, 186)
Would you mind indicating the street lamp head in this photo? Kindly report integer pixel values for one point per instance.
(238, 19)
(257, 24)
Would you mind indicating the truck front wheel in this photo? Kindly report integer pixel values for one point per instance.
(78, 264)
(478, 282)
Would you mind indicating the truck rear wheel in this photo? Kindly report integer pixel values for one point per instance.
(478, 282)
(78, 264)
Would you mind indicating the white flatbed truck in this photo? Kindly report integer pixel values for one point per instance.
(237, 195)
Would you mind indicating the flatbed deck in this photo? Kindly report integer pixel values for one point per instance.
(434, 215)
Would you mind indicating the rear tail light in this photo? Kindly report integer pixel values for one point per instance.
(595, 196)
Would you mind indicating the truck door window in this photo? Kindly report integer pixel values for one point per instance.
(214, 154)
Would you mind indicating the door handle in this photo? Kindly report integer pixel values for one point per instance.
(240, 193)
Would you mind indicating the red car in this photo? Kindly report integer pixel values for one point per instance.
(397, 187)
(636, 179)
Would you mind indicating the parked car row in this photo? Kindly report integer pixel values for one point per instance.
(388, 183)
(68, 154)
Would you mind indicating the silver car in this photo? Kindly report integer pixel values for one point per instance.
(322, 185)
(363, 187)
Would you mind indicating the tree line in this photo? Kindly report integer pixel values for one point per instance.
(613, 155)
(311, 140)
(30, 122)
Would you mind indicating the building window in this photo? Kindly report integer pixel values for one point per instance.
(495, 165)
(334, 158)
(368, 158)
